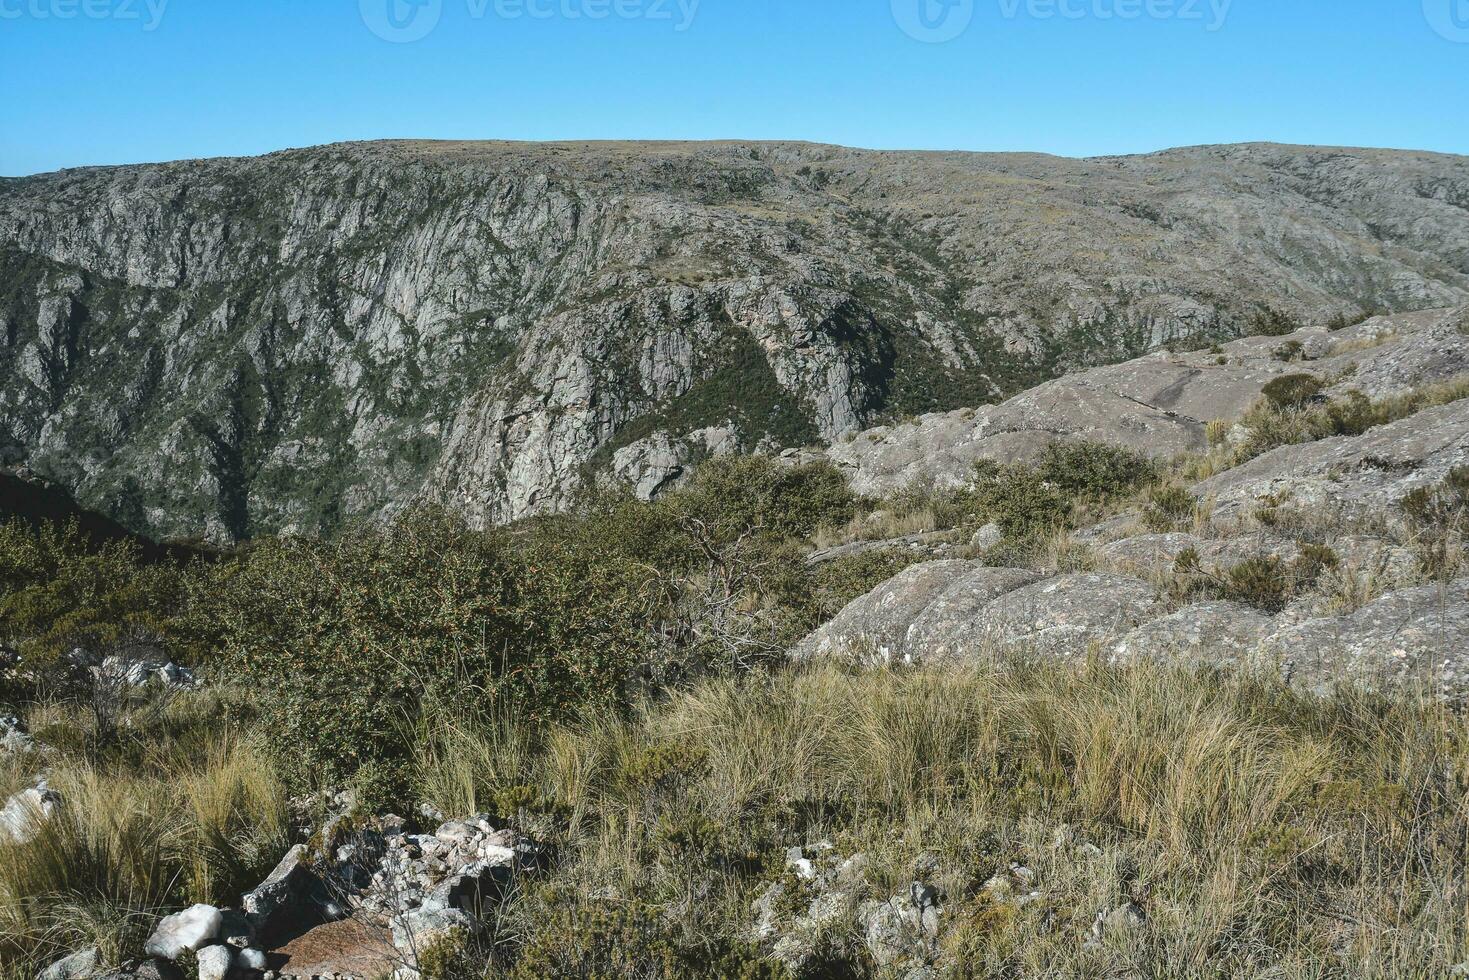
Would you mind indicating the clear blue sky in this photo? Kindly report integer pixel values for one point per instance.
(115, 81)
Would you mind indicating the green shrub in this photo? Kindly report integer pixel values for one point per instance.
(756, 493)
(1029, 500)
(1094, 471)
(1167, 507)
(448, 958)
(1293, 390)
(60, 590)
(347, 640)
(1271, 322)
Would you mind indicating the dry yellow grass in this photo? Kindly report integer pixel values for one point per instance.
(1272, 830)
(184, 819)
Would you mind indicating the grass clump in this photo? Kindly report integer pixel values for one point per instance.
(198, 816)
(1438, 518)
(1266, 582)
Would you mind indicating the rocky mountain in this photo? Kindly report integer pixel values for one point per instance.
(227, 348)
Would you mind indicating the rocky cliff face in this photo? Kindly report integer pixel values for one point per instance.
(237, 347)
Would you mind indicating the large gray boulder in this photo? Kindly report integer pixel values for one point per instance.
(947, 629)
(1068, 615)
(284, 893)
(1210, 632)
(1418, 635)
(78, 966)
(873, 629)
(1151, 555)
(1148, 554)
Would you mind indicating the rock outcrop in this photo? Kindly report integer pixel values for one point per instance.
(1159, 404)
(227, 348)
(1158, 594)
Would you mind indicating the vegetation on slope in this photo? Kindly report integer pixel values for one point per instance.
(609, 681)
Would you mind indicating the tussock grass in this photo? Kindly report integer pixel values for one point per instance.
(161, 822)
(1271, 830)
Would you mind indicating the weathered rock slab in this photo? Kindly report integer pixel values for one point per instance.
(874, 628)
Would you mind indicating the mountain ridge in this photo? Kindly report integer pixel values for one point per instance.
(239, 346)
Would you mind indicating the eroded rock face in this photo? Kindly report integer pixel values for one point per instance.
(874, 628)
(1215, 633)
(1418, 636)
(1360, 476)
(1068, 614)
(947, 627)
(661, 462)
(238, 347)
(1343, 494)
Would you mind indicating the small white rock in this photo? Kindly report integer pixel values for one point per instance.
(214, 962)
(251, 959)
(185, 931)
(24, 813)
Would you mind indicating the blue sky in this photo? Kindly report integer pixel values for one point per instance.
(116, 81)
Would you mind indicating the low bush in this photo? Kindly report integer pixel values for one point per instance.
(1168, 507)
(1293, 390)
(1438, 518)
(1291, 350)
(1068, 479)
(1267, 582)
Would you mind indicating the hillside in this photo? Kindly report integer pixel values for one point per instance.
(230, 348)
(1082, 685)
